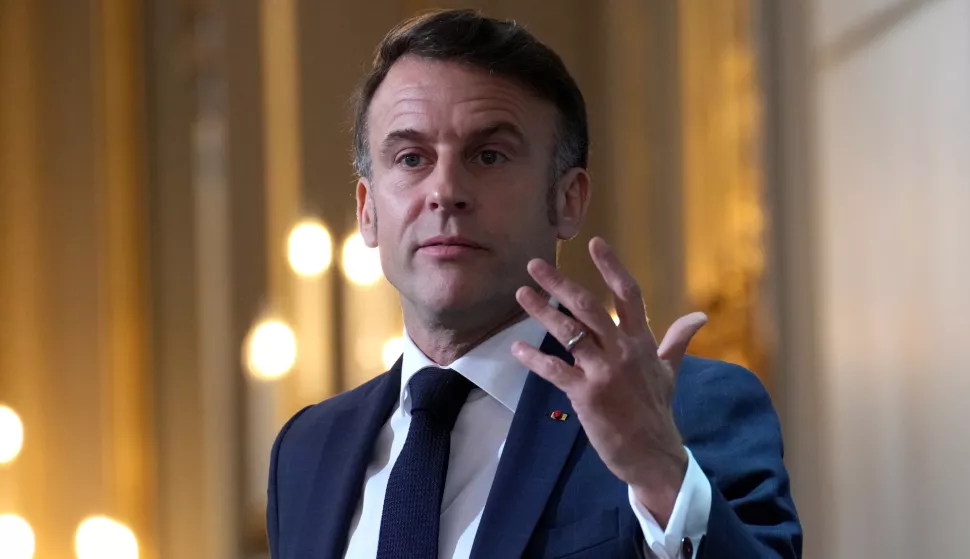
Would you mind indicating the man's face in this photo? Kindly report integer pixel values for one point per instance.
(457, 199)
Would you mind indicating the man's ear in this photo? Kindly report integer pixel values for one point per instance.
(572, 202)
(366, 213)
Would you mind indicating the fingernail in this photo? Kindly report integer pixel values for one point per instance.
(537, 265)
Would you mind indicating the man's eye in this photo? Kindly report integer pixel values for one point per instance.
(490, 157)
(411, 160)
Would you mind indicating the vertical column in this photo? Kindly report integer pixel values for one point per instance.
(247, 241)
(209, 267)
(283, 152)
(198, 376)
(69, 198)
(22, 362)
(123, 295)
(185, 514)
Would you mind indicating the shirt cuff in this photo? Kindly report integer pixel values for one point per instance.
(692, 509)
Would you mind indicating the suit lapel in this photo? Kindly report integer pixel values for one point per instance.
(345, 452)
(535, 452)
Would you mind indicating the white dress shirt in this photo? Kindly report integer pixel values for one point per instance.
(477, 441)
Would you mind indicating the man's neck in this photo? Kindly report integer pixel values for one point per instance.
(444, 343)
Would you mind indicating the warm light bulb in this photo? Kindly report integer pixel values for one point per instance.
(391, 351)
(102, 538)
(16, 538)
(310, 248)
(361, 264)
(271, 350)
(11, 435)
(615, 317)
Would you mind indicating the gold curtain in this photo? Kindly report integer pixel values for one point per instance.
(74, 309)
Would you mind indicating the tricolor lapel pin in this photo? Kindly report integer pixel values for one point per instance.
(561, 416)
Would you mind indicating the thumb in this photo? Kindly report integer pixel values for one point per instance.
(674, 345)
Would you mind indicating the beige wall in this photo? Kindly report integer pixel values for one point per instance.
(877, 357)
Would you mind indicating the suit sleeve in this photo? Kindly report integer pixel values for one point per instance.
(272, 491)
(731, 427)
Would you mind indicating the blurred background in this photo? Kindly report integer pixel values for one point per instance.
(179, 271)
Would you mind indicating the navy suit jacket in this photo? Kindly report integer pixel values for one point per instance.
(552, 496)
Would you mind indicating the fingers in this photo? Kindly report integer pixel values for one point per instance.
(674, 345)
(583, 304)
(549, 367)
(627, 296)
(559, 324)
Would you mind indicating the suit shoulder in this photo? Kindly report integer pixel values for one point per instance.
(719, 400)
(698, 374)
(324, 410)
(302, 432)
(712, 392)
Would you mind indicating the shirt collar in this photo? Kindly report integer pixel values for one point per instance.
(490, 365)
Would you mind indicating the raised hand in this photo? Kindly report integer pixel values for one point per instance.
(621, 384)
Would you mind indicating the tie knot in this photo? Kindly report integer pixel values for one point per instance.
(439, 393)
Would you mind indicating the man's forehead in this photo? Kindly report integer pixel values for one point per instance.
(416, 88)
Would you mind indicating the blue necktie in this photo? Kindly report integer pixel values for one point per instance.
(412, 504)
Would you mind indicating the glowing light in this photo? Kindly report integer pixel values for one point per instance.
(310, 248)
(16, 538)
(391, 351)
(361, 264)
(615, 317)
(100, 537)
(11, 435)
(271, 350)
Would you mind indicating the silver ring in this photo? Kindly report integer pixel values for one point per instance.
(575, 340)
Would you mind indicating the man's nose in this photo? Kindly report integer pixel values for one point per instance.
(450, 189)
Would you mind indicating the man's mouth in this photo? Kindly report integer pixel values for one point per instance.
(451, 241)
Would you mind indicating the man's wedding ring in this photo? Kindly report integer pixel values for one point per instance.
(575, 340)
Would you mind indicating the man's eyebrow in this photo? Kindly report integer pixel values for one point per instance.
(410, 134)
(403, 134)
(503, 127)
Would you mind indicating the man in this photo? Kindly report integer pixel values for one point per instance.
(520, 420)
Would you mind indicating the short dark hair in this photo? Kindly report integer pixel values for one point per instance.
(503, 48)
